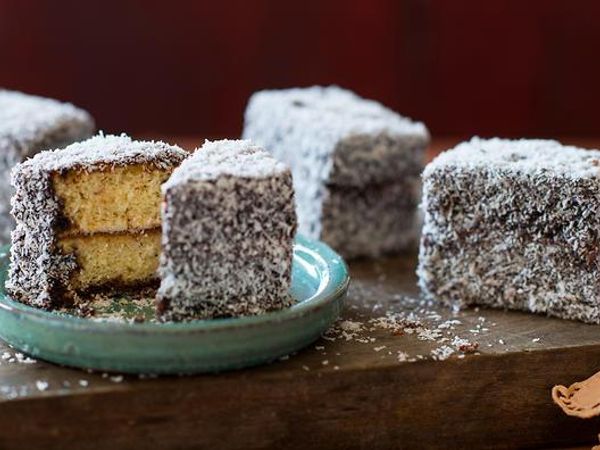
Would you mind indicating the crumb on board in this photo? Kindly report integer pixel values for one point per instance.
(16, 358)
(424, 323)
(442, 353)
(41, 385)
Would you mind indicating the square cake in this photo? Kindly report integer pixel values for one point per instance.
(88, 218)
(29, 124)
(228, 230)
(513, 224)
(356, 165)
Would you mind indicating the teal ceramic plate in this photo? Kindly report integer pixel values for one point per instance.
(319, 283)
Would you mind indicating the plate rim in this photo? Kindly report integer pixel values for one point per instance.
(337, 285)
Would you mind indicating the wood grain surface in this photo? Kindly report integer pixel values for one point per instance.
(336, 394)
(355, 389)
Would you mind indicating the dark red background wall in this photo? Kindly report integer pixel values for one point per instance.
(520, 67)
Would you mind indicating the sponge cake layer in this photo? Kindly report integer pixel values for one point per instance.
(119, 259)
(111, 200)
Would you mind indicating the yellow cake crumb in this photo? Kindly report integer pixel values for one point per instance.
(111, 200)
(117, 259)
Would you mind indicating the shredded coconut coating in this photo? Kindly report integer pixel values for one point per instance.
(39, 272)
(385, 224)
(228, 229)
(330, 137)
(101, 152)
(237, 158)
(29, 124)
(513, 224)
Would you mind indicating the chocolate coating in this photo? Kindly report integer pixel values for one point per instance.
(388, 220)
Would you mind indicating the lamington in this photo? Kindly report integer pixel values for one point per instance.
(513, 224)
(227, 237)
(356, 165)
(29, 124)
(88, 219)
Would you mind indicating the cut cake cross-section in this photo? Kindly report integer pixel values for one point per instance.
(88, 218)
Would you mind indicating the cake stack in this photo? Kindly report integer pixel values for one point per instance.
(89, 221)
(356, 165)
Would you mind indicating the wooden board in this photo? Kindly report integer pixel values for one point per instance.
(341, 393)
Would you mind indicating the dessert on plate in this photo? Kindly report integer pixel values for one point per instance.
(227, 234)
(356, 165)
(88, 218)
(29, 124)
(513, 224)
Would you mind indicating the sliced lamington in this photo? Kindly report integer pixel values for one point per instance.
(29, 124)
(228, 230)
(356, 165)
(513, 224)
(88, 218)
